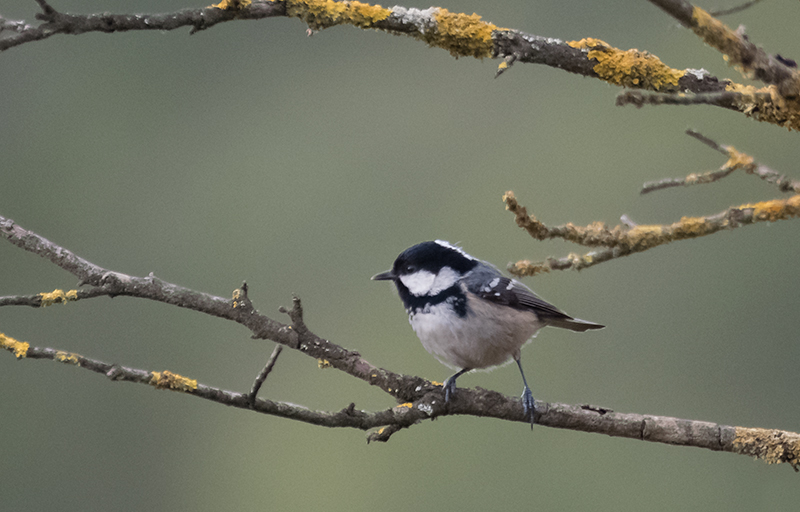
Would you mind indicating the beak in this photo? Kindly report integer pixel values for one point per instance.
(384, 276)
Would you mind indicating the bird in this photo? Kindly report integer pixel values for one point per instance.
(468, 315)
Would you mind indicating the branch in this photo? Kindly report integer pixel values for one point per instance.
(418, 398)
(465, 35)
(735, 161)
(773, 446)
(751, 60)
(778, 103)
(629, 238)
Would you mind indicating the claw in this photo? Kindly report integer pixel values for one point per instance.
(529, 405)
(450, 384)
(449, 389)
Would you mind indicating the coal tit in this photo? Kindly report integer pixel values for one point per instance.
(467, 314)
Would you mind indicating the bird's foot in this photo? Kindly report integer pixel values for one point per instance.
(529, 405)
(449, 389)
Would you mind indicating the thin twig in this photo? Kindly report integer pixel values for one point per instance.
(735, 9)
(736, 160)
(728, 100)
(262, 376)
(623, 240)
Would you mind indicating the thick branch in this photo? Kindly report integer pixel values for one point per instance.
(468, 35)
(460, 34)
(774, 446)
(740, 52)
(421, 398)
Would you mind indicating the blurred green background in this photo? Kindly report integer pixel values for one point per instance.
(305, 165)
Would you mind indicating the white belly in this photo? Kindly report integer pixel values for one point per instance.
(489, 335)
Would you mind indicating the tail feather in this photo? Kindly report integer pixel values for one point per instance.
(573, 324)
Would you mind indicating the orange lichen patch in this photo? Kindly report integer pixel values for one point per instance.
(528, 268)
(19, 348)
(319, 14)
(739, 160)
(56, 296)
(716, 34)
(235, 299)
(169, 380)
(463, 35)
(777, 209)
(231, 5)
(644, 237)
(68, 358)
(407, 405)
(630, 68)
(772, 446)
(766, 104)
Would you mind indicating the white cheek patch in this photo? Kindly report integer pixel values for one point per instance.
(419, 283)
(446, 278)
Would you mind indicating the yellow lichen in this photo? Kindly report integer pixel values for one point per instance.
(319, 14)
(777, 209)
(644, 237)
(407, 405)
(56, 296)
(767, 105)
(323, 363)
(169, 380)
(231, 5)
(630, 68)
(690, 227)
(19, 348)
(463, 35)
(738, 160)
(716, 34)
(67, 357)
(772, 446)
(237, 294)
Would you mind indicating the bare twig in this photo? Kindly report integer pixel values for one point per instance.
(734, 9)
(736, 160)
(728, 100)
(262, 376)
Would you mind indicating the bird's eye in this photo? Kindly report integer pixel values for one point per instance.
(410, 269)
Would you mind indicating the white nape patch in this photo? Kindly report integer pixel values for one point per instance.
(447, 244)
(491, 285)
(510, 285)
(446, 278)
(419, 283)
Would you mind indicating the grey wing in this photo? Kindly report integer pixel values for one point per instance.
(489, 284)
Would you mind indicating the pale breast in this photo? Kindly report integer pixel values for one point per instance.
(489, 335)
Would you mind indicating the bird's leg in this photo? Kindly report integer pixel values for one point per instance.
(528, 403)
(450, 384)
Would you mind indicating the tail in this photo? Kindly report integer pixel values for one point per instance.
(573, 324)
